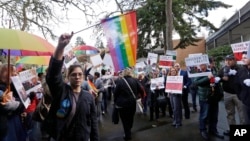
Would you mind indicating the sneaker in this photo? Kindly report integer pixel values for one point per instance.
(205, 135)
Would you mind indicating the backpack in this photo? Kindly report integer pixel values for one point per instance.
(43, 106)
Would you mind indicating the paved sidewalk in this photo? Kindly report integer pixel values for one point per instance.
(144, 131)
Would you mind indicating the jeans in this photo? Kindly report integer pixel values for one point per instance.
(175, 100)
(204, 107)
(104, 101)
(193, 94)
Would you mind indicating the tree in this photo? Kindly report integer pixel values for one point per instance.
(79, 41)
(42, 14)
(188, 18)
(169, 26)
(219, 53)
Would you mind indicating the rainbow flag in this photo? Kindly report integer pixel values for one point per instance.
(121, 34)
(92, 86)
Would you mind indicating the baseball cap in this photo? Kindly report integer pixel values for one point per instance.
(229, 57)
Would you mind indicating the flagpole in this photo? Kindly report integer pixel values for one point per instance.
(8, 74)
(101, 22)
(86, 28)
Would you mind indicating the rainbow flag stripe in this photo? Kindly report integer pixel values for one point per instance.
(121, 33)
(92, 86)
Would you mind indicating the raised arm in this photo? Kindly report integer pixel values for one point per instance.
(62, 43)
(54, 77)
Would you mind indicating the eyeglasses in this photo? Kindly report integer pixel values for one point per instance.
(76, 74)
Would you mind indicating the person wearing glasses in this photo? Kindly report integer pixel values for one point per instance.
(72, 114)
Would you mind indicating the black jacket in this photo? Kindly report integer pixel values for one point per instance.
(84, 123)
(243, 91)
(122, 94)
(228, 86)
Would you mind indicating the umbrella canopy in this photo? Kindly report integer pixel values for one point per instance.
(41, 69)
(27, 52)
(20, 40)
(85, 47)
(17, 40)
(37, 60)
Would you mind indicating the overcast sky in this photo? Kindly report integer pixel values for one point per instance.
(77, 22)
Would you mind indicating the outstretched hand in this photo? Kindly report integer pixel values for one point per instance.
(64, 40)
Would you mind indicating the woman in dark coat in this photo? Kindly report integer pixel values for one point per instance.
(125, 100)
(11, 127)
(72, 115)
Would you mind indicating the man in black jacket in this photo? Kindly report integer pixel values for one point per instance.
(228, 77)
(243, 86)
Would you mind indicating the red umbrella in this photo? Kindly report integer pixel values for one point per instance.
(85, 47)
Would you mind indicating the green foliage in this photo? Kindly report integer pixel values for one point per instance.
(220, 52)
(152, 21)
(79, 41)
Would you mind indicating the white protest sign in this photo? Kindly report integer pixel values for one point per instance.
(157, 82)
(107, 60)
(195, 54)
(238, 49)
(152, 57)
(140, 67)
(171, 53)
(21, 91)
(193, 65)
(96, 60)
(166, 61)
(69, 56)
(26, 82)
(174, 84)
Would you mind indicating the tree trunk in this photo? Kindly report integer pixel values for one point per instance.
(169, 25)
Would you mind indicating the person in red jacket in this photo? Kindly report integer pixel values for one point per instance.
(27, 115)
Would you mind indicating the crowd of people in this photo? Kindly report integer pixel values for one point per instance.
(70, 106)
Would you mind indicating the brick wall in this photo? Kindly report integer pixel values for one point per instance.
(183, 53)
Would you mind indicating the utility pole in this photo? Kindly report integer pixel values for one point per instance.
(169, 25)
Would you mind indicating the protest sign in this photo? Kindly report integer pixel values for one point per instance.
(171, 53)
(152, 59)
(107, 60)
(26, 82)
(166, 61)
(157, 82)
(174, 84)
(140, 67)
(96, 60)
(21, 91)
(193, 65)
(195, 54)
(69, 56)
(238, 49)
